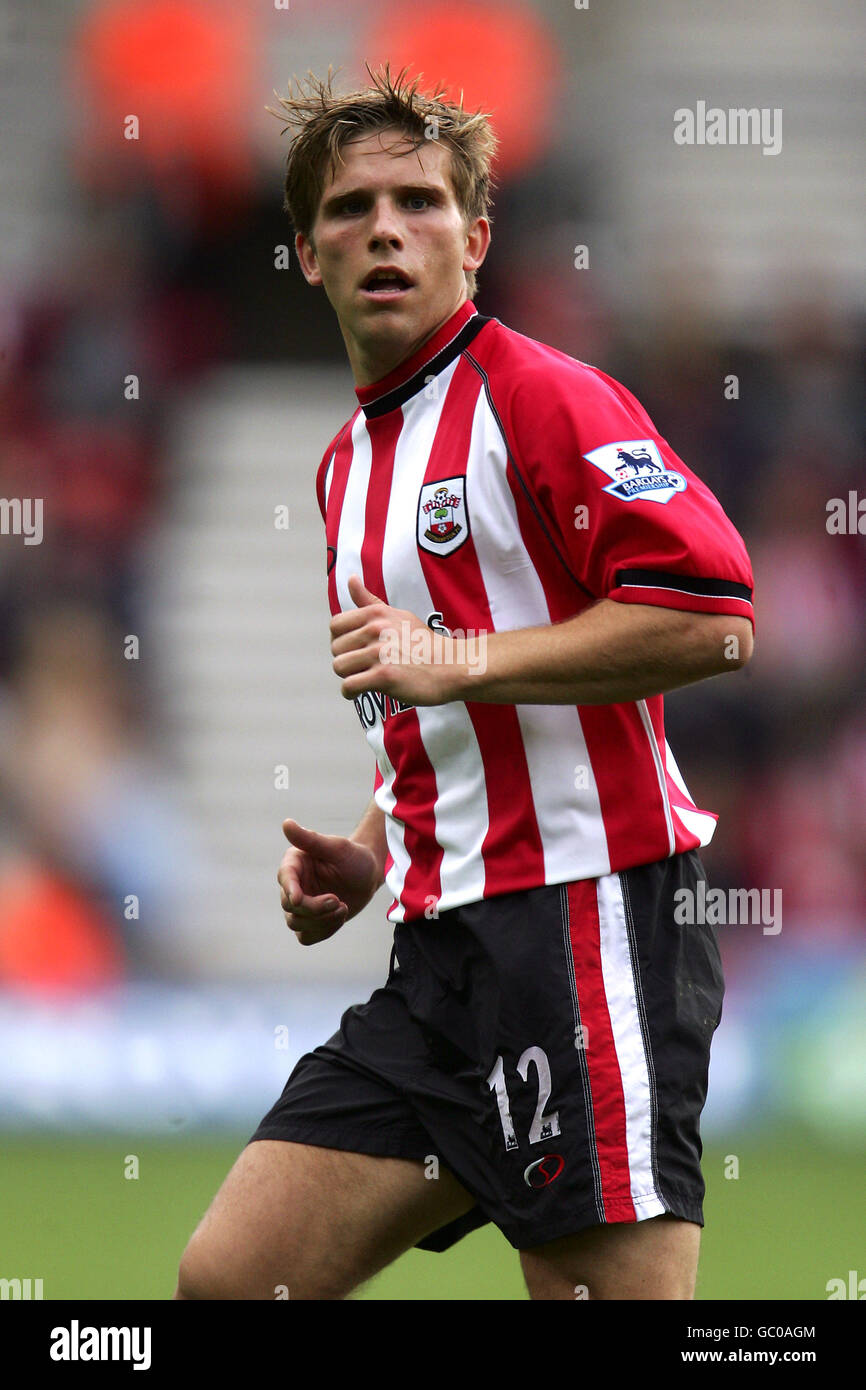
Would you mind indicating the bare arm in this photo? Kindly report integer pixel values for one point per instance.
(611, 653)
(370, 831)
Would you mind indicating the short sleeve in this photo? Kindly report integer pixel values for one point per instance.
(634, 522)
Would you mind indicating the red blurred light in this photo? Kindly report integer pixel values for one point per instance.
(501, 57)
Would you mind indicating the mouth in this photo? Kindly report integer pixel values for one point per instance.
(386, 282)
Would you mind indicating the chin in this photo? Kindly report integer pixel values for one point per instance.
(391, 322)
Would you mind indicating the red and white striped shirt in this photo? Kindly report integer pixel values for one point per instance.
(491, 483)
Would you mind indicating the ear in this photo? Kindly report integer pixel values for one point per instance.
(306, 253)
(477, 243)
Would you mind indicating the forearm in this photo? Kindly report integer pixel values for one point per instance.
(611, 653)
(370, 832)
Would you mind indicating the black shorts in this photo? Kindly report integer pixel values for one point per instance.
(550, 1048)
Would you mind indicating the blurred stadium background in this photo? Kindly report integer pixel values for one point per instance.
(168, 382)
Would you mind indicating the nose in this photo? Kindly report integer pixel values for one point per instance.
(385, 226)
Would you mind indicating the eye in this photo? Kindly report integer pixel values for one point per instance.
(419, 198)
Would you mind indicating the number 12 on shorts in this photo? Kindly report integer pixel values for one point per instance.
(543, 1126)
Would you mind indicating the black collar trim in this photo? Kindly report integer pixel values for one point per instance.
(400, 394)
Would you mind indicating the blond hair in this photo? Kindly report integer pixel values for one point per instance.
(325, 121)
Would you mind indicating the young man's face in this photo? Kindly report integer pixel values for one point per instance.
(389, 205)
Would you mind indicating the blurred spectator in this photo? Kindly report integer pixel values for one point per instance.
(88, 806)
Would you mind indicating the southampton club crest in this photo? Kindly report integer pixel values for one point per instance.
(443, 522)
(637, 470)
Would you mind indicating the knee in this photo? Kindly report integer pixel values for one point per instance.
(201, 1277)
(190, 1283)
(207, 1273)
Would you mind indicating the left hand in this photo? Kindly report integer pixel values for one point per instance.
(376, 647)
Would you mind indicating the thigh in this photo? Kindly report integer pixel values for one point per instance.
(304, 1222)
(653, 1259)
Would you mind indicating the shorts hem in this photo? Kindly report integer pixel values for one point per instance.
(517, 1237)
(328, 1139)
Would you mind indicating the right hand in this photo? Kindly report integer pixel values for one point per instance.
(325, 880)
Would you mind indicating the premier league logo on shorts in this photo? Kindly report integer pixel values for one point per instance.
(443, 523)
(638, 471)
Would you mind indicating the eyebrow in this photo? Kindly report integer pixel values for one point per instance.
(333, 202)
